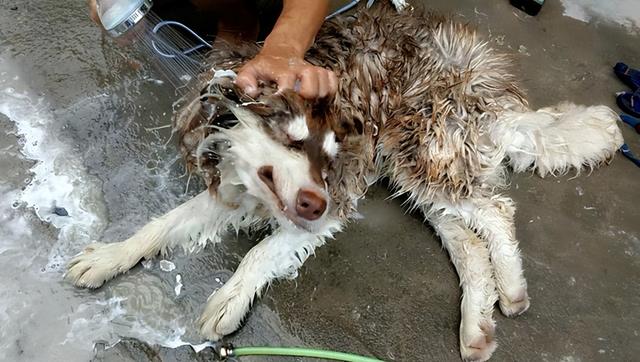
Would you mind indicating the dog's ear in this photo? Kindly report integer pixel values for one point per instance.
(336, 118)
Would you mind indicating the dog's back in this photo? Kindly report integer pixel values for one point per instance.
(405, 79)
(422, 99)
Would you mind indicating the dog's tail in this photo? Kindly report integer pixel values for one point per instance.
(556, 139)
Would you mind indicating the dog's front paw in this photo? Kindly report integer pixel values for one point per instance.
(97, 264)
(224, 312)
(478, 344)
(514, 304)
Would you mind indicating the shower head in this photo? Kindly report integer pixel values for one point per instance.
(118, 16)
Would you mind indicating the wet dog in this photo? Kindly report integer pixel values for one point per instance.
(423, 101)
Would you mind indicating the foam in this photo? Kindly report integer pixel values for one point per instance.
(112, 311)
(623, 12)
(59, 177)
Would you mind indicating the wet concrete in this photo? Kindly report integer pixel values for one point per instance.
(384, 287)
(579, 236)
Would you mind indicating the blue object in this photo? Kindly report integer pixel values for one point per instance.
(631, 121)
(628, 75)
(629, 102)
(60, 211)
(626, 152)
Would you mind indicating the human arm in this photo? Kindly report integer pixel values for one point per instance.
(281, 59)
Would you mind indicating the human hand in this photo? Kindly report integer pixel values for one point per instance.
(289, 71)
(93, 11)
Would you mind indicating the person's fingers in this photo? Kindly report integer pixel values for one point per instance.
(309, 83)
(286, 80)
(247, 80)
(323, 83)
(333, 82)
(93, 11)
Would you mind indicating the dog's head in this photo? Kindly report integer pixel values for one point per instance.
(281, 150)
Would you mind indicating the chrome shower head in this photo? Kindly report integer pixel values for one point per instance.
(118, 16)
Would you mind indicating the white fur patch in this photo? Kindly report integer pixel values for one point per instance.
(251, 148)
(399, 4)
(297, 129)
(329, 145)
(278, 256)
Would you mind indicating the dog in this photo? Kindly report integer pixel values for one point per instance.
(423, 101)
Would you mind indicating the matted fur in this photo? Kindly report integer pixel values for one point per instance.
(425, 101)
(421, 100)
(420, 97)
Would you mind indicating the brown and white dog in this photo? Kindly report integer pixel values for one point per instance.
(423, 101)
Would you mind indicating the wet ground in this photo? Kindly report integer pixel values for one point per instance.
(74, 135)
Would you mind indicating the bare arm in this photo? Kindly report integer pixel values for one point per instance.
(282, 57)
(297, 25)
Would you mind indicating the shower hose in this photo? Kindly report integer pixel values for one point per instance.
(230, 351)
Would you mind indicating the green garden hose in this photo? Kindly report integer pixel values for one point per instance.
(230, 351)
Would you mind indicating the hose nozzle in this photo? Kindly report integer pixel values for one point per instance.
(118, 16)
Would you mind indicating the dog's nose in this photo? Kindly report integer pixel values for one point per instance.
(310, 205)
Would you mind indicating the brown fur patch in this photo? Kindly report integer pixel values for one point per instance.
(416, 94)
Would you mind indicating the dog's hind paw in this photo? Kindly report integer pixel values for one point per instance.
(224, 312)
(97, 264)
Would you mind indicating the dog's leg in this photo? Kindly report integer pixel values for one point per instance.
(191, 223)
(493, 220)
(470, 256)
(278, 256)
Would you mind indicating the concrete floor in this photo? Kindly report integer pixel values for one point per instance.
(386, 288)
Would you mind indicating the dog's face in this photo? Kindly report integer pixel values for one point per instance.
(281, 152)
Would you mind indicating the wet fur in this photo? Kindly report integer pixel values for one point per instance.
(423, 101)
